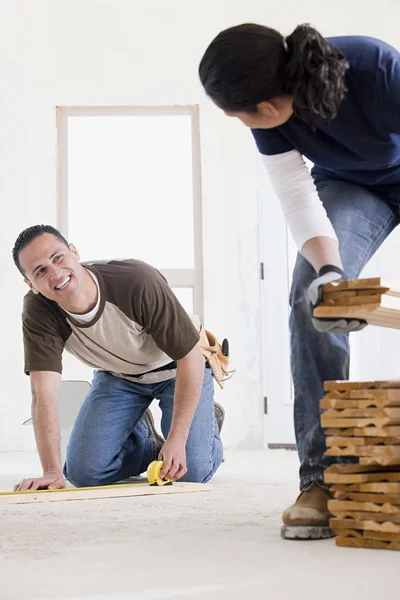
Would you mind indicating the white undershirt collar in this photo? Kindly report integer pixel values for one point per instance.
(87, 317)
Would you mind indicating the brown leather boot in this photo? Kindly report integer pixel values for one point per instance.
(148, 421)
(219, 415)
(308, 518)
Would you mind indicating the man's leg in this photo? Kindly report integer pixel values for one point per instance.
(362, 221)
(112, 438)
(204, 451)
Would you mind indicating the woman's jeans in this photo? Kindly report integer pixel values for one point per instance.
(362, 221)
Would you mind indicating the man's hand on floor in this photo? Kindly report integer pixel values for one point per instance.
(53, 480)
(173, 454)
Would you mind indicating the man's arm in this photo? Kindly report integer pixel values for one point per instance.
(189, 381)
(164, 318)
(45, 386)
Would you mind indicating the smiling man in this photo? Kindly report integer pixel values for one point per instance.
(122, 319)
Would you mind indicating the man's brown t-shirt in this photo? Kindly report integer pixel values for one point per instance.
(140, 326)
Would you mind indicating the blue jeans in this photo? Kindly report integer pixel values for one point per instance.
(362, 220)
(109, 442)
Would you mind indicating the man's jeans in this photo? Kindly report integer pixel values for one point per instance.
(109, 441)
(362, 221)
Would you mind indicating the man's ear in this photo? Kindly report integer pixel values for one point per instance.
(268, 108)
(74, 251)
(31, 286)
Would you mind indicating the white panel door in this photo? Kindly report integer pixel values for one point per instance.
(275, 290)
(375, 351)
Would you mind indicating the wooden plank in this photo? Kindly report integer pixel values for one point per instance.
(381, 535)
(355, 300)
(344, 385)
(367, 413)
(344, 487)
(350, 542)
(374, 314)
(380, 460)
(383, 300)
(352, 533)
(355, 403)
(358, 422)
(356, 468)
(338, 506)
(376, 451)
(339, 441)
(338, 294)
(368, 497)
(363, 284)
(343, 442)
(380, 487)
(361, 477)
(348, 522)
(392, 431)
(390, 487)
(99, 492)
(391, 395)
(374, 518)
(369, 535)
(384, 305)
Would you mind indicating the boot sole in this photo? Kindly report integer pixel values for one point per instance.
(306, 532)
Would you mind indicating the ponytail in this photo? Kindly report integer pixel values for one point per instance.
(314, 75)
(248, 64)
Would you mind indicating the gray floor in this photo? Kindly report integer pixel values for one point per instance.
(223, 544)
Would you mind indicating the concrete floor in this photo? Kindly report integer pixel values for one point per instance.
(223, 544)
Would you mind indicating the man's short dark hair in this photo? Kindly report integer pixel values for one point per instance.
(28, 235)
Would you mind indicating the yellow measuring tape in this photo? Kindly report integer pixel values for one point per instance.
(153, 476)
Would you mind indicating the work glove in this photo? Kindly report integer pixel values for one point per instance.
(329, 274)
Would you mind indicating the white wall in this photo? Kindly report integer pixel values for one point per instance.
(125, 52)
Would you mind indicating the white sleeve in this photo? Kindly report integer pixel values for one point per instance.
(303, 210)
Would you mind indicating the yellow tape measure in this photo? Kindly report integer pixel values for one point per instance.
(153, 476)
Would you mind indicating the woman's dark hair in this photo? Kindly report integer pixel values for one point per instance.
(250, 63)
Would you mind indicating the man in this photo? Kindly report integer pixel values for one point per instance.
(121, 318)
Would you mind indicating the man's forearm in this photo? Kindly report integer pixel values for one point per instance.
(189, 381)
(47, 434)
(45, 386)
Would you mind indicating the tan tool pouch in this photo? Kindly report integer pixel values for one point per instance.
(213, 353)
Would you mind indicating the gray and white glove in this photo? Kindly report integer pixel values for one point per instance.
(329, 274)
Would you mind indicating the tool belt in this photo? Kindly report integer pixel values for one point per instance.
(216, 355)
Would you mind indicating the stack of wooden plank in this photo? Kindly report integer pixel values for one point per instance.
(362, 420)
(375, 300)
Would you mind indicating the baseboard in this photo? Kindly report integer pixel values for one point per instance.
(282, 446)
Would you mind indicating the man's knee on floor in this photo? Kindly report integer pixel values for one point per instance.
(201, 473)
(197, 475)
(82, 474)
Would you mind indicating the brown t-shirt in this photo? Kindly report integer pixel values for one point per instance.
(140, 326)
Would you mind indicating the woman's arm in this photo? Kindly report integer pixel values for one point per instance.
(312, 230)
(304, 212)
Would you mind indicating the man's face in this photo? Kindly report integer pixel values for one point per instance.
(52, 269)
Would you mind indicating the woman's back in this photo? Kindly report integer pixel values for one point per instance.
(362, 144)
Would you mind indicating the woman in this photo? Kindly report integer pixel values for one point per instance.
(337, 102)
